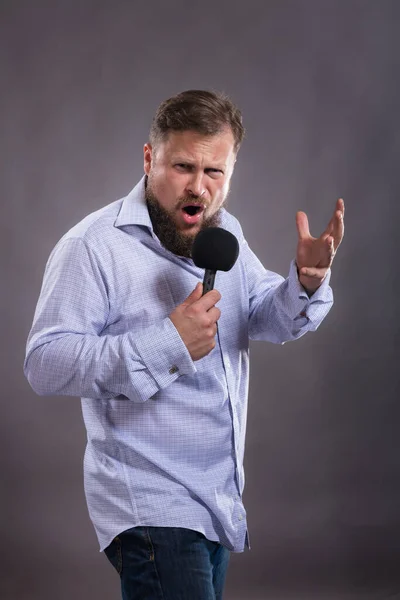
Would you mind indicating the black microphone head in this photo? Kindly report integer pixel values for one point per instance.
(215, 249)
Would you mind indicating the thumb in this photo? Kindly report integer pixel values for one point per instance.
(194, 296)
(302, 225)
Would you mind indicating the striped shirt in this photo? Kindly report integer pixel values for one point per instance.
(165, 435)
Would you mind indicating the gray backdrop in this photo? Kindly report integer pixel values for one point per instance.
(318, 85)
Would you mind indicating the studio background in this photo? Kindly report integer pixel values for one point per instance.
(318, 85)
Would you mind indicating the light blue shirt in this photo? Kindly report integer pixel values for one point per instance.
(165, 435)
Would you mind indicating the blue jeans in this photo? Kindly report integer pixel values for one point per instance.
(168, 563)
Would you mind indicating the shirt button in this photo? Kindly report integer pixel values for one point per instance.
(173, 369)
(240, 518)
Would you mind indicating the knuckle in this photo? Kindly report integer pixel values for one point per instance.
(209, 322)
(214, 295)
(193, 311)
(209, 334)
(205, 321)
(217, 296)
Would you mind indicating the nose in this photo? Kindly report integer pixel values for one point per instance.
(195, 186)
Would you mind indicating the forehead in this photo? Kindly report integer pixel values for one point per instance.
(196, 146)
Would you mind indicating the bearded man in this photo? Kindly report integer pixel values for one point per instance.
(122, 322)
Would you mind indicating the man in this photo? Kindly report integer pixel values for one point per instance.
(121, 322)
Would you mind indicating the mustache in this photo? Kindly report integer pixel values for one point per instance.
(197, 201)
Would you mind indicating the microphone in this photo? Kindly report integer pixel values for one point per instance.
(214, 249)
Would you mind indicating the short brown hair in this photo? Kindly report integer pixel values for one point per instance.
(208, 113)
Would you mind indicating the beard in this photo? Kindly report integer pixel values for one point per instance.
(165, 227)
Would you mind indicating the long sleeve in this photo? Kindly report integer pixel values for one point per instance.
(70, 353)
(280, 309)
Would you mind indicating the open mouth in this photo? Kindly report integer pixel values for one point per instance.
(192, 213)
(192, 209)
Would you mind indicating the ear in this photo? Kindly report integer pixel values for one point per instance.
(148, 157)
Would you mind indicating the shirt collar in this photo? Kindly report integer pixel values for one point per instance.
(134, 208)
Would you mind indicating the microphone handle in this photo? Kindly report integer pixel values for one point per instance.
(208, 281)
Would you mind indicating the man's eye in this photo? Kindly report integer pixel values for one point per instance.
(182, 166)
(214, 172)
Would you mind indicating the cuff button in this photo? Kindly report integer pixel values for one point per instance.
(174, 369)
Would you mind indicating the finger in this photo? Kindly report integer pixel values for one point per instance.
(209, 299)
(330, 245)
(326, 253)
(302, 225)
(335, 226)
(214, 314)
(194, 295)
(338, 228)
(313, 272)
(330, 227)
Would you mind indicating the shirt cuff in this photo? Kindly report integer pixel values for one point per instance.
(301, 305)
(163, 353)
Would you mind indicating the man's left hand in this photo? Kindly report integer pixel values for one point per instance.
(315, 255)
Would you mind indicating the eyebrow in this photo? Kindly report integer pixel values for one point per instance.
(188, 161)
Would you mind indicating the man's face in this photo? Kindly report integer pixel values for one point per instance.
(188, 181)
